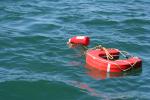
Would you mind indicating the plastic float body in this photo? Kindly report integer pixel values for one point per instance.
(84, 40)
(97, 59)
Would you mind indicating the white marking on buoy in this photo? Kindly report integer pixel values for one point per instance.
(80, 37)
(94, 57)
(108, 67)
(69, 40)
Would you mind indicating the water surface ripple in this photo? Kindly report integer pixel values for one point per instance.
(36, 64)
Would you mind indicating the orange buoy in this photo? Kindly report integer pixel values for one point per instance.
(83, 40)
(97, 59)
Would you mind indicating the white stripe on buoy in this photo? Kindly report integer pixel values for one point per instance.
(108, 67)
(80, 37)
(69, 40)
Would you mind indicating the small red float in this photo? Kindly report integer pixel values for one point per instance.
(97, 59)
(84, 40)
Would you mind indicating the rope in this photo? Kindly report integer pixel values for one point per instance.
(108, 55)
(131, 66)
(125, 54)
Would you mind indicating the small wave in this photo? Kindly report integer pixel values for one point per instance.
(135, 30)
(17, 74)
(31, 38)
(69, 18)
(96, 22)
(42, 27)
(136, 21)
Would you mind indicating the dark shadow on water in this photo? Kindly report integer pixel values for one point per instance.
(97, 74)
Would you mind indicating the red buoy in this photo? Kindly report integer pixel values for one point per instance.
(97, 59)
(83, 40)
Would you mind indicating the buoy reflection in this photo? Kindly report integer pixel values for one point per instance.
(97, 74)
(90, 91)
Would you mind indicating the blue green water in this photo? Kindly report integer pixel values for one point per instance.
(36, 64)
